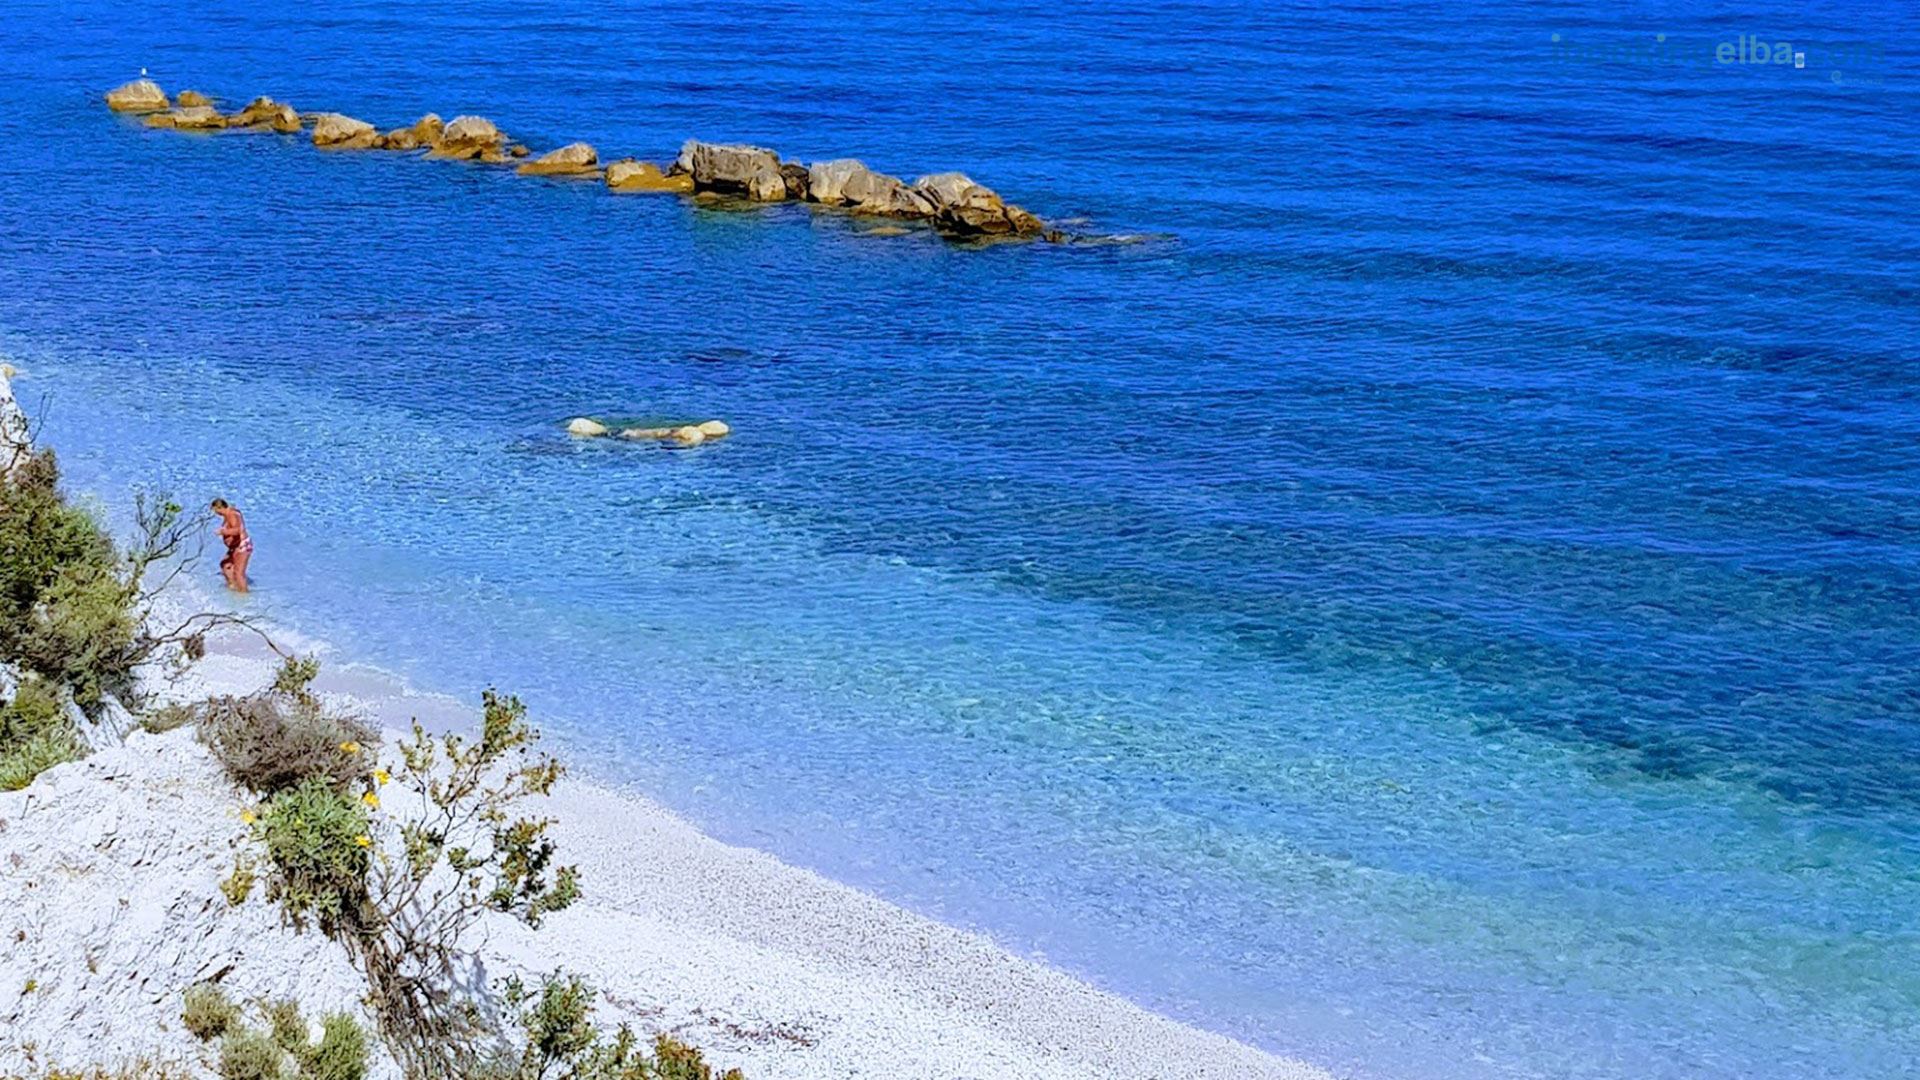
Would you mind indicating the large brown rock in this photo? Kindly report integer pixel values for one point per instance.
(138, 96)
(428, 129)
(338, 132)
(187, 99)
(192, 118)
(471, 138)
(733, 169)
(851, 184)
(573, 159)
(795, 174)
(631, 175)
(264, 112)
(964, 208)
(401, 139)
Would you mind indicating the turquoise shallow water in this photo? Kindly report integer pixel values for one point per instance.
(1445, 607)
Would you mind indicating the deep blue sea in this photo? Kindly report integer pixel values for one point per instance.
(1445, 605)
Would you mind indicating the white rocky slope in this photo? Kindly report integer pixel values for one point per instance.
(110, 907)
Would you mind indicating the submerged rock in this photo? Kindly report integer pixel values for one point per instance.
(962, 207)
(574, 159)
(338, 132)
(585, 428)
(638, 433)
(471, 138)
(733, 169)
(631, 175)
(264, 112)
(192, 118)
(138, 96)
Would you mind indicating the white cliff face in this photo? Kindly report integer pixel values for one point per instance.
(15, 434)
(110, 907)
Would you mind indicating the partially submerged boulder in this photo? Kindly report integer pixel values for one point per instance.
(339, 132)
(401, 139)
(192, 118)
(714, 429)
(429, 129)
(849, 183)
(264, 112)
(688, 435)
(796, 176)
(573, 159)
(471, 138)
(189, 98)
(631, 175)
(585, 428)
(962, 207)
(641, 433)
(733, 169)
(138, 96)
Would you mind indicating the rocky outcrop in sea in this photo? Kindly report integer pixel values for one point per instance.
(952, 204)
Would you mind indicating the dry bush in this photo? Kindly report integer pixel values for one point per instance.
(274, 739)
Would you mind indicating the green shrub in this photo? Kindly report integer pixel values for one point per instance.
(296, 674)
(273, 740)
(286, 1025)
(561, 1041)
(251, 1054)
(20, 763)
(35, 734)
(341, 1053)
(317, 844)
(83, 632)
(237, 886)
(207, 1011)
(159, 721)
(34, 710)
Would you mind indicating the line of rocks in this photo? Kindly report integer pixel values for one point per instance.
(950, 202)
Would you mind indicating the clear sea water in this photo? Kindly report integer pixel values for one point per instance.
(1446, 605)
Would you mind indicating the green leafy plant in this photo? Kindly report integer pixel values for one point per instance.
(341, 1054)
(207, 1011)
(562, 1043)
(237, 886)
(35, 734)
(170, 717)
(317, 846)
(19, 764)
(248, 1053)
(460, 850)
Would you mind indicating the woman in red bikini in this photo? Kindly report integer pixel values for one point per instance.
(233, 530)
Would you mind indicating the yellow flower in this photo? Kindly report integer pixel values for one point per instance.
(349, 747)
(381, 776)
(372, 800)
(363, 840)
(248, 817)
